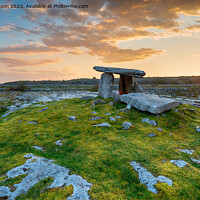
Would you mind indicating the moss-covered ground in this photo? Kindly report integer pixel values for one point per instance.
(102, 155)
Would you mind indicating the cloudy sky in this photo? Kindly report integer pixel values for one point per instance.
(161, 37)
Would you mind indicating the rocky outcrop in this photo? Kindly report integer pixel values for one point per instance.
(38, 168)
(148, 179)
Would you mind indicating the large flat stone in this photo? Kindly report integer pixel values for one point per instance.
(148, 102)
(128, 72)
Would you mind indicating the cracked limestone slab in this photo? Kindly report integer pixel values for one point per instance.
(187, 151)
(195, 160)
(148, 179)
(38, 148)
(102, 125)
(38, 168)
(149, 102)
(179, 163)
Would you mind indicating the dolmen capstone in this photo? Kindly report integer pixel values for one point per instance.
(131, 94)
(125, 82)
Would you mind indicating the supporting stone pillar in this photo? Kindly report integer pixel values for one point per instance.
(125, 84)
(106, 85)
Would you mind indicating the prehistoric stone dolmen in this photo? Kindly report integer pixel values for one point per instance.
(125, 82)
(129, 94)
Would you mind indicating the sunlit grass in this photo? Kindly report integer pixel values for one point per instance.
(102, 155)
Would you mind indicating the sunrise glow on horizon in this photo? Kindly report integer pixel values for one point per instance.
(160, 37)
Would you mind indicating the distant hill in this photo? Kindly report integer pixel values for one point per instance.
(87, 81)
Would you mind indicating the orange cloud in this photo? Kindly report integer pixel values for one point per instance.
(19, 62)
(25, 49)
(193, 27)
(100, 27)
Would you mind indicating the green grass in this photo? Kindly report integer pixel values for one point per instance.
(102, 155)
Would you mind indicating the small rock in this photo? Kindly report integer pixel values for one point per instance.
(102, 125)
(187, 151)
(112, 119)
(72, 118)
(118, 117)
(198, 129)
(128, 106)
(179, 163)
(111, 103)
(32, 122)
(38, 148)
(127, 125)
(94, 118)
(159, 129)
(38, 134)
(107, 114)
(163, 115)
(195, 160)
(5, 120)
(151, 122)
(20, 121)
(93, 112)
(152, 135)
(170, 133)
(43, 109)
(59, 143)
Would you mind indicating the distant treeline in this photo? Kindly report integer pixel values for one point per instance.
(94, 81)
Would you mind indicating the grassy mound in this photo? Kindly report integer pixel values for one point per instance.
(102, 155)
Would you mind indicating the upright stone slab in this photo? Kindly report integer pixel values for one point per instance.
(106, 85)
(125, 84)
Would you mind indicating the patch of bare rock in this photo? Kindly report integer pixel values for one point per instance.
(148, 179)
(151, 122)
(187, 151)
(102, 125)
(38, 168)
(179, 163)
(72, 118)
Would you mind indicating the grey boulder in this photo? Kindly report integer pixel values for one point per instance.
(72, 118)
(127, 125)
(151, 122)
(149, 102)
